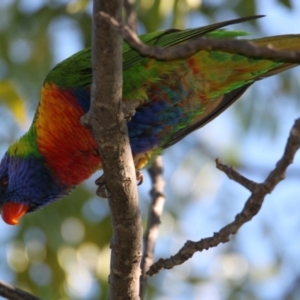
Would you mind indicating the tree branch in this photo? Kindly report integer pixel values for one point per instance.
(251, 208)
(155, 212)
(236, 176)
(182, 51)
(131, 19)
(110, 130)
(12, 293)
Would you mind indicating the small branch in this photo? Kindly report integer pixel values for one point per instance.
(236, 176)
(131, 19)
(155, 211)
(181, 51)
(12, 293)
(251, 208)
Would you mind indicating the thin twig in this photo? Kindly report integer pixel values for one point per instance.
(131, 19)
(233, 174)
(181, 51)
(12, 293)
(155, 212)
(251, 208)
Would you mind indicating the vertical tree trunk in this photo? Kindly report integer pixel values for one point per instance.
(110, 130)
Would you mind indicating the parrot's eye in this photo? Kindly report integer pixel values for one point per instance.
(4, 181)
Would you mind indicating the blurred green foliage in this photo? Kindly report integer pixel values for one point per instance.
(62, 252)
(13, 101)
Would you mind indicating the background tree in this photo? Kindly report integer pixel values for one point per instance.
(53, 252)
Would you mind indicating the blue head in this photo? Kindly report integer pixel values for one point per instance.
(26, 184)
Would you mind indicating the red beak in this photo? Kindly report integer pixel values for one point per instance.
(12, 212)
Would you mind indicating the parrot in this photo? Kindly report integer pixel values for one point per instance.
(174, 99)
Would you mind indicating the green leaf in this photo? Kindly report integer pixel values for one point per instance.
(77, 6)
(15, 103)
(246, 8)
(286, 3)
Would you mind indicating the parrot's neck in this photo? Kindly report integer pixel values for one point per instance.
(26, 145)
(69, 149)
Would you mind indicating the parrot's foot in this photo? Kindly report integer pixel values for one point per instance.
(139, 177)
(102, 190)
(85, 121)
(129, 109)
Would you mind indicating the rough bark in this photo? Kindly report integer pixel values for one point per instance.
(110, 131)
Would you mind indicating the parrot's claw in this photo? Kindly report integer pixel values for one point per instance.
(102, 190)
(139, 177)
(129, 109)
(85, 121)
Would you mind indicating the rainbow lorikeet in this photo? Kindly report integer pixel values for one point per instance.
(175, 98)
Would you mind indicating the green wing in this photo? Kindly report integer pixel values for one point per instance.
(173, 37)
(76, 71)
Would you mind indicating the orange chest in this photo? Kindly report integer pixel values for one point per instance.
(70, 149)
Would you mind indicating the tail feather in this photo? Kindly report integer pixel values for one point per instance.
(280, 42)
(236, 80)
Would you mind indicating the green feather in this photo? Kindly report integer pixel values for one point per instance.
(76, 71)
(26, 145)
